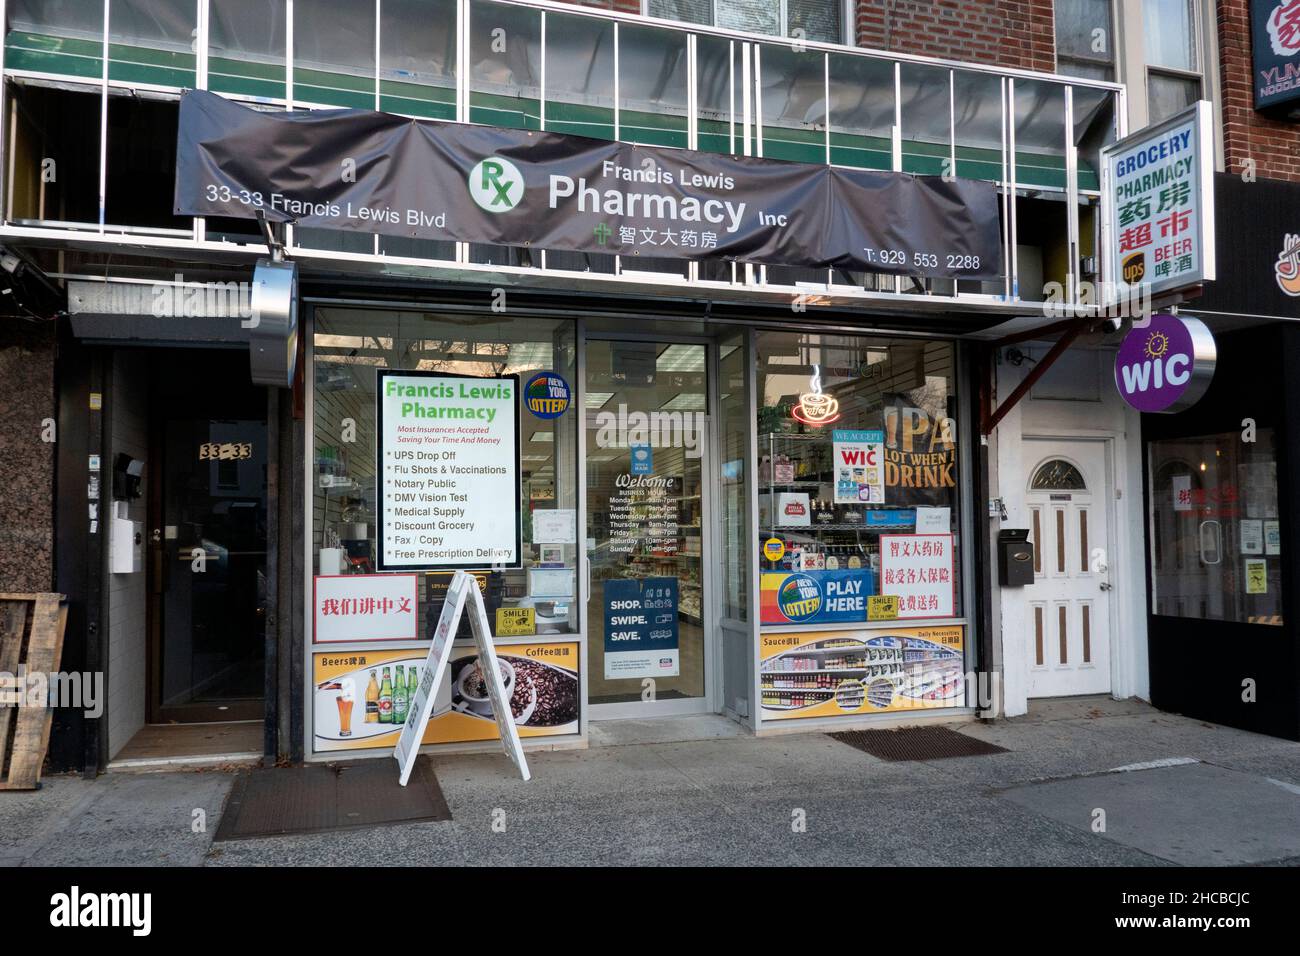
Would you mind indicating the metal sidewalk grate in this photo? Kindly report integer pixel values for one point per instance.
(274, 801)
(916, 743)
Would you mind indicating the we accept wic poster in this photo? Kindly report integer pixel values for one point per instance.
(859, 466)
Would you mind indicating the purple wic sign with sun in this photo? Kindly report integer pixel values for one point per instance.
(1165, 365)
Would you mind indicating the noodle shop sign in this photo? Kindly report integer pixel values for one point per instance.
(1165, 365)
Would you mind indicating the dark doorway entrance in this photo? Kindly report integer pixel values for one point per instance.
(207, 536)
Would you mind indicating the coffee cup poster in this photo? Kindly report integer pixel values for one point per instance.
(358, 696)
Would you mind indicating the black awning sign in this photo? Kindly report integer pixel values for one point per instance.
(379, 173)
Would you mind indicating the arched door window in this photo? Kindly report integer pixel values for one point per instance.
(1057, 474)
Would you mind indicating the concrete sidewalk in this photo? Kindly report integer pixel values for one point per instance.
(644, 795)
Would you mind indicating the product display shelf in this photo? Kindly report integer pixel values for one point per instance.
(805, 528)
(770, 695)
(808, 458)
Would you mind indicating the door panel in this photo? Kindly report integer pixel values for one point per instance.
(646, 424)
(208, 550)
(1069, 602)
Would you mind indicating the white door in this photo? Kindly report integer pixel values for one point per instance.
(1069, 501)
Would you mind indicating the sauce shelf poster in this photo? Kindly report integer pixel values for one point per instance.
(843, 673)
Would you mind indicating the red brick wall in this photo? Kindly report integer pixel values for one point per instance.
(622, 6)
(1273, 145)
(1014, 33)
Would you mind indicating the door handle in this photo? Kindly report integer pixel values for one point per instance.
(1106, 586)
(1210, 532)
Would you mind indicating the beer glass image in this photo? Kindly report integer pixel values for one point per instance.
(345, 697)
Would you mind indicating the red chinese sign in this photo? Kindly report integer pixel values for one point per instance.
(365, 607)
(918, 569)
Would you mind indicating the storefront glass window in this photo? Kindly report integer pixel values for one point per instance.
(334, 53)
(857, 480)
(350, 346)
(246, 41)
(505, 50)
(808, 19)
(417, 58)
(1216, 540)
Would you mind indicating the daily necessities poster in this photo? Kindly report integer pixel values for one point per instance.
(839, 673)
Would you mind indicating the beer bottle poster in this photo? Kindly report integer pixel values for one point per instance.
(448, 460)
(543, 677)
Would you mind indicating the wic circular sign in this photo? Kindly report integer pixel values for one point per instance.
(1166, 365)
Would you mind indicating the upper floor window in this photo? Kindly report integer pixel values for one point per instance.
(1085, 39)
(1173, 65)
(821, 20)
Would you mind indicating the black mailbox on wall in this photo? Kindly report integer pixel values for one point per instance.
(1015, 558)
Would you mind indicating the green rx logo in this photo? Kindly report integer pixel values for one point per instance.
(496, 184)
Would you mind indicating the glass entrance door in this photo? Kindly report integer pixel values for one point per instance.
(647, 508)
(212, 571)
(207, 538)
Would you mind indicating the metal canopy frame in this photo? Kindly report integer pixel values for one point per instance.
(745, 131)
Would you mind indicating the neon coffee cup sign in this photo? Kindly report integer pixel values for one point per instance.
(1166, 365)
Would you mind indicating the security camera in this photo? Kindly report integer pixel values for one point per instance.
(1111, 324)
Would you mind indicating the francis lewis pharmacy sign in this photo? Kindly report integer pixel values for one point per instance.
(1158, 206)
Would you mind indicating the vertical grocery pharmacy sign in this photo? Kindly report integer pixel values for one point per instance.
(448, 467)
(1158, 207)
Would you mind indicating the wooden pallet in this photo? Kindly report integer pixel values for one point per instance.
(31, 635)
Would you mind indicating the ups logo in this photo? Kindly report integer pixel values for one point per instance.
(1134, 268)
